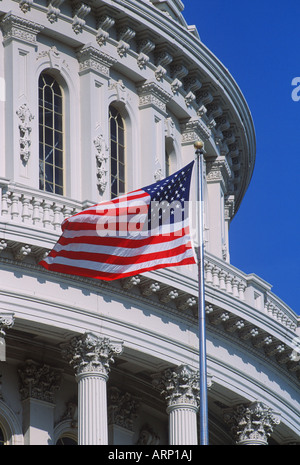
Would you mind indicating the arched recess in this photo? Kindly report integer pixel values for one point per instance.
(10, 426)
(118, 97)
(65, 433)
(52, 62)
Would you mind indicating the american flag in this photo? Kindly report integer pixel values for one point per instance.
(143, 230)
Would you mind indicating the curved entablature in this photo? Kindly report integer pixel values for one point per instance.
(200, 89)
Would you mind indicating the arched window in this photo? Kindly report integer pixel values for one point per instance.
(117, 152)
(2, 437)
(51, 144)
(66, 441)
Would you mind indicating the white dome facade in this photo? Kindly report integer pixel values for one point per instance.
(99, 98)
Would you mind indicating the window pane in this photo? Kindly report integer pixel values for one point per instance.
(48, 121)
(49, 172)
(57, 139)
(121, 171)
(59, 158)
(48, 97)
(58, 176)
(121, 136)
(121, 154)
(114, 167)
(113, 130)
(57, 104)
(48, 136)
(48, 186)
(49, 154)
(58, 122)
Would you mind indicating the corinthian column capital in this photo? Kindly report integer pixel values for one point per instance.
(179, 386)
(251, 424)
(89, 353)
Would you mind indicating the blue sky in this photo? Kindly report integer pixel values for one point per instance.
(259, 43)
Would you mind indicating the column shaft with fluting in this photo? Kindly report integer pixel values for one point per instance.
(90, 357)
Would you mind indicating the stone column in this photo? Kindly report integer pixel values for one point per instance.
(180, 387)
(91, 356)
(38, 383)
(251, 424)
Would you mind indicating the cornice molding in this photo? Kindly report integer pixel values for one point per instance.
(182, 305)
(15, 27)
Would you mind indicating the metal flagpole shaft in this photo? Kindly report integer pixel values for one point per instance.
(201, 298)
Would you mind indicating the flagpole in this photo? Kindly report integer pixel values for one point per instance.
(201, 297)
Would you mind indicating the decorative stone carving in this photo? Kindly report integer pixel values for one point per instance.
(191, 85)
(194, 130)
(6, 322)
(81, 10)
(178, 72)
(147, 436)
(163, 59)
(125, 35)
(179, 385)
(71, 413)
(120, 91)
(25, 129)
(53, 10)
(55, 58)
(92, 59)
(3, 245)
(22, 252)
(103, 26)
(128, 283)
(38, 381)
(251, 424)
(203, 98)
(25, 5)
(101, 159)
(122, 408)
(152, 94)
(145, 47)
(218, 171)
(14, 27)
(89, 353)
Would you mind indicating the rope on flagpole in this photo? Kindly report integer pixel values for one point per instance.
(201, 296)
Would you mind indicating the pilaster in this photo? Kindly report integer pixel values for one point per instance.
(94, 72)
(218, 176)
(19, 40)
(38, 384)
(153, 101)
(180, 387)
(122, 411)
(251, 424)
(91, 357)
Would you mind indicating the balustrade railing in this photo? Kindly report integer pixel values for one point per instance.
(41, 210)
(36, 208)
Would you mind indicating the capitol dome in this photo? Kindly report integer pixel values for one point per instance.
(97, 99)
